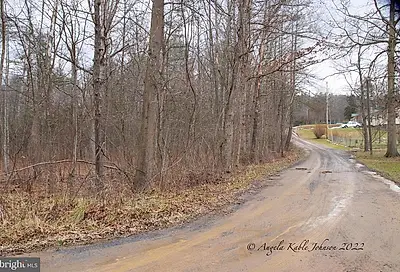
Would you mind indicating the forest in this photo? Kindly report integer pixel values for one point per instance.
(109, 87)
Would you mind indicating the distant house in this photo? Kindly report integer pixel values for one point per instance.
(356, 117)
(378, 117)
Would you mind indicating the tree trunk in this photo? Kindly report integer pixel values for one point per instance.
(229, 97)
(391, 150)
(369, 116)
(244, 7)
(99, 68)
(254, 147)
(75, 108)
(5, 107)
(362, 102)
(293, 85)
(146, 164)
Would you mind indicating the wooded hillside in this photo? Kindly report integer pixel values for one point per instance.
(147, 90)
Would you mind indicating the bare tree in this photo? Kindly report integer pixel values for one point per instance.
(374, 31)
(104, 12)
(146, 164)
(5, 102)
(391, 104)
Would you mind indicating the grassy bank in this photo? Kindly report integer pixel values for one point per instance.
(32, 222)
(387, 167)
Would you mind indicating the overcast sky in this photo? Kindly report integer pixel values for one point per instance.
(337, 84)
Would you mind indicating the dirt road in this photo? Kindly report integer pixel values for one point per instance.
(327, 214)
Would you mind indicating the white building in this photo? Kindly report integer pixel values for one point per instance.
(378, 118)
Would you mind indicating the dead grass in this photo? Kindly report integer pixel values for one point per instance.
(308, 134)
(313, 125)
(319, 130)
(36, 220)
(352, 133)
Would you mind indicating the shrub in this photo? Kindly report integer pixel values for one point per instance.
(319, 130)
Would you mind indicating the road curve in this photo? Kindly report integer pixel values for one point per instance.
(328, 213)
